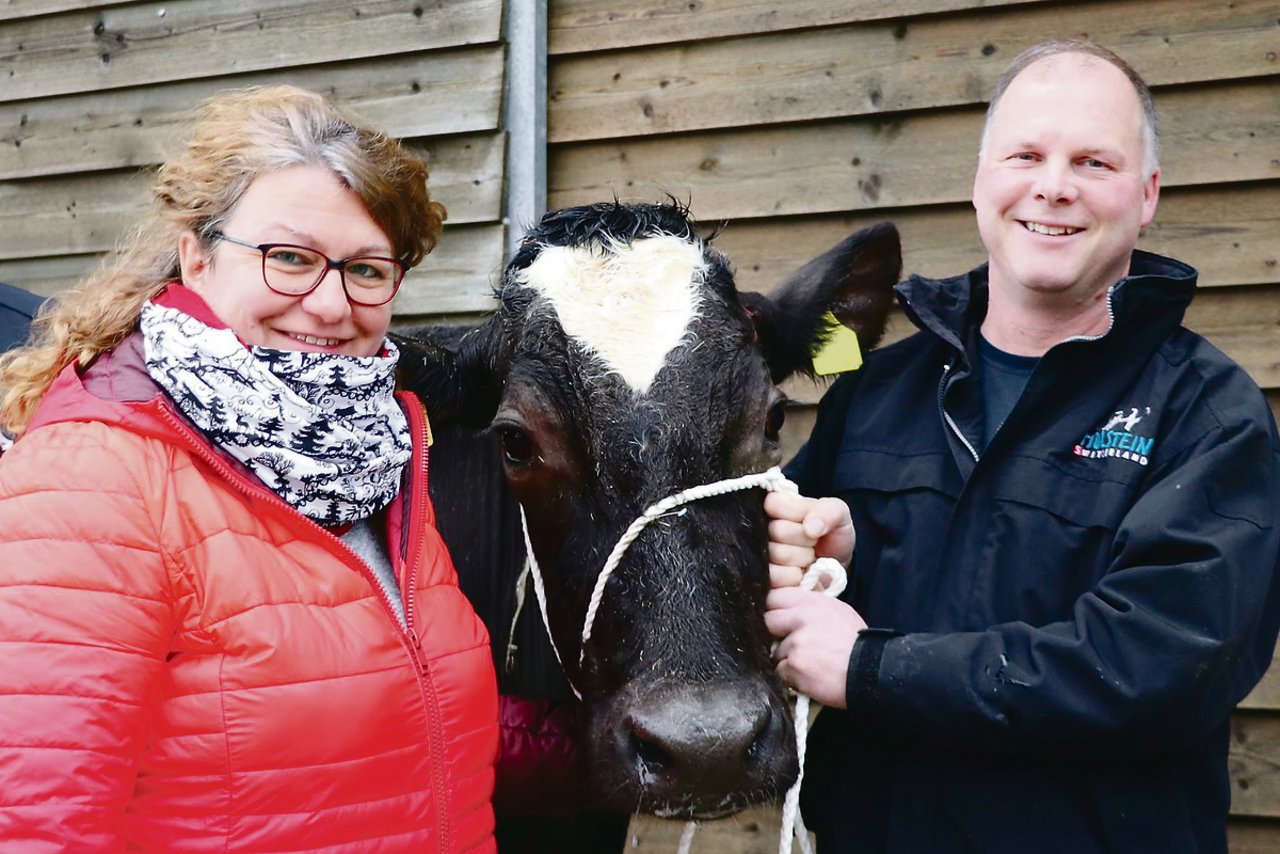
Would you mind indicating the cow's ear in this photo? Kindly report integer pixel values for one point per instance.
(453, 370)
(853, 280)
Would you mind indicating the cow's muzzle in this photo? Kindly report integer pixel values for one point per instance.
(682, 750)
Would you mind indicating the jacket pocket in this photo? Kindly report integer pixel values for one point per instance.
(1079, 501)
(892, 472)
(1045, 538)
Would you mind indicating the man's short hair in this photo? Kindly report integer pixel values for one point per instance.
(1059, 47)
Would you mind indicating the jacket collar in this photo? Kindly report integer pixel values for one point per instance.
(1148, 303)
(115, 388)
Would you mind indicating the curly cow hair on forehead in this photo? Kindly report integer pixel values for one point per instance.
(606, 226)
(604, 223)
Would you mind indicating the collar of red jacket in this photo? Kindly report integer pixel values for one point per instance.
(179, 296)
(115, 387)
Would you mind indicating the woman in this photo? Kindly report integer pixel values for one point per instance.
(226, 618)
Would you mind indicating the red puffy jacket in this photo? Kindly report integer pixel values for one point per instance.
(191, 665)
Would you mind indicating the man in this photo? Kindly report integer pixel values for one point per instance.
(1066, 515)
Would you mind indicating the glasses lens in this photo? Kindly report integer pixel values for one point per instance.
(372, 279)
(292, 269)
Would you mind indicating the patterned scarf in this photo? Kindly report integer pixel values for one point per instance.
(322, 431)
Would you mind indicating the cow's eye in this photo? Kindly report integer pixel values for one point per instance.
(517, 447)
(773, 421)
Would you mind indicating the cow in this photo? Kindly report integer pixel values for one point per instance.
(622, 366)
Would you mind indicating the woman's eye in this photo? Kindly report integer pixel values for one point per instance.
(773, 421)
(289, 258)
(365, 270)
(517, 447)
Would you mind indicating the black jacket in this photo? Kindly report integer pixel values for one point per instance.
(1062, 621)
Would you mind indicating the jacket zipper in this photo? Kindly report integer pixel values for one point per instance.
(946, 416)
(417, 504)
(1111, 320)
(407, 635)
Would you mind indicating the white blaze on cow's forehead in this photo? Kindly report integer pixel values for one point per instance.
(629, 303)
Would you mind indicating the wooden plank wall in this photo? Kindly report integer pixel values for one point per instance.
(91, 91)
(797, 122)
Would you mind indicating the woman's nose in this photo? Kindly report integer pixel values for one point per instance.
(328, 301)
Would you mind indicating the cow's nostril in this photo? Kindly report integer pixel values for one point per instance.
(765, 740)
(652, 758)
(653, 755)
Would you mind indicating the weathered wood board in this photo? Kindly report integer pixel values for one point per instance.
(89, 213)
(836, 72)
(591, 25)
(13, 9)
(142, 44)
(1224, 134)
(416, 95)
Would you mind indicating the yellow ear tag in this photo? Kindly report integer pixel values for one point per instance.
(427, 421)
(841, 353)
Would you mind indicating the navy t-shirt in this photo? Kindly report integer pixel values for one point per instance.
(1004, 376)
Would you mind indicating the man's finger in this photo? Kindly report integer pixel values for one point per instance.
(786, 555)
(778, 624)
(787, 505)
(824, 516)
(786, 597)
(786, 531)
(784, 576)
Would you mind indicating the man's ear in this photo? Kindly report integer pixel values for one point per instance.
(453, 369)
(193, 260)
(1150, 198)
(853, 280)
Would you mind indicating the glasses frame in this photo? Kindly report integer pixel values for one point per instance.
(330, 264)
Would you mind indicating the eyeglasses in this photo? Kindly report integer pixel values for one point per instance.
(295, 271)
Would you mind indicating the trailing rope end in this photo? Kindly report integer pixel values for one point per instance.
(686, 837)
(522, 585)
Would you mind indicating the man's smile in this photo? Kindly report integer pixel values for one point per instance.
(1051, 230)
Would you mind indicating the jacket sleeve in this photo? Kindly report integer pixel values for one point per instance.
(84, 624)
(1180, 627)
(813, 464)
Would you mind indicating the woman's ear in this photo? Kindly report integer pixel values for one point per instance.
(193, 260)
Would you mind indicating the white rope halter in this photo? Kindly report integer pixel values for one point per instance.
(827, 569)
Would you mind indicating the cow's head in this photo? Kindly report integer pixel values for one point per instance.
(623, 366)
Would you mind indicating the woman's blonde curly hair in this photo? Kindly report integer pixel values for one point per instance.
(238, 135)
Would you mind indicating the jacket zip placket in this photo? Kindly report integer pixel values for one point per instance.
(1111, 319)
(444, 805)
(408, 636)
(946, 416)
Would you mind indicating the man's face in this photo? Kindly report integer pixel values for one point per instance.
(1060, 190)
